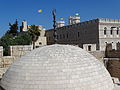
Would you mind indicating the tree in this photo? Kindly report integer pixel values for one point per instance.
(6, 41)
(13, 28)
(34, 31)
(23, 38)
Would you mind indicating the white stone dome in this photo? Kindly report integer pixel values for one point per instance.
(57, 67)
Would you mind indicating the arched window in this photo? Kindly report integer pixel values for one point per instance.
(105, 29)
(67, 35)
(63, 36)
(60, 36)
(40, 43)
(78, 34)
(111, 31)
(117, 31)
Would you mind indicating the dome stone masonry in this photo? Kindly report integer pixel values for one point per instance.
(57, 67)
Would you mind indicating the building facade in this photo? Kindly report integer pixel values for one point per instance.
(90, 35)
(41, 39)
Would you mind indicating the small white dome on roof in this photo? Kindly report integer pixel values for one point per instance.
(57, 67)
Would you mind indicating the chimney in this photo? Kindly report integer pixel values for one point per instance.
(60, 23)
(74, 20)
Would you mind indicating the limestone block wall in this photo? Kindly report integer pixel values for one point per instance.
(113, 66)
(76, 34)
(1, 51)
(19, 50)
(88, 32)
(109, 32)
(2, 71)
(89, 47)
(5, 62)
(41, 41)
(113, 54)
(15, 53)
(99, 55)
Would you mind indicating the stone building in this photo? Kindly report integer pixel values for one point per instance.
(60, 24)
(24, 26)
(90, 35)
(41, 39)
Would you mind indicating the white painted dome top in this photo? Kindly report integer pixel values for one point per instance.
(57, 67)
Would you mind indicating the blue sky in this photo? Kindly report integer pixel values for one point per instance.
(28, 10)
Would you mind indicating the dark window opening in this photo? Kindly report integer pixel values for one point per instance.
(89, 48)
(63, 36)
(117, 32)
(60, 36)
(67, 35)
(40, 43)
(111, 32)
(78, 34)
(104, 32)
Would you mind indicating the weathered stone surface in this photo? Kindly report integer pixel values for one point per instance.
(57, 67)
(5, 62)
(1, 51)
(19, 50)
(98, 54)
(113, 66)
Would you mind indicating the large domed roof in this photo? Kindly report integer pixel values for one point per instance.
(57, 67)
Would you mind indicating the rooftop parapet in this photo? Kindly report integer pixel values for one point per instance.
(60, 23)
(74, 20)
(109, 20)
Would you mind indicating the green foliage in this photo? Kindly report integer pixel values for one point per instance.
(13, 28)
(34, 31)
(7, 40)
(23, 38)
(13, 37)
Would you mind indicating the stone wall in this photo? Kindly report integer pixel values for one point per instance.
(89, 47)
(1, 51)
(88, 32)
(108, 34)
(113, 54)
(15, 53)
(99, 55)
(41, 42)
(19, 50)
(5, 62)
(76, 34)
(113, 66)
